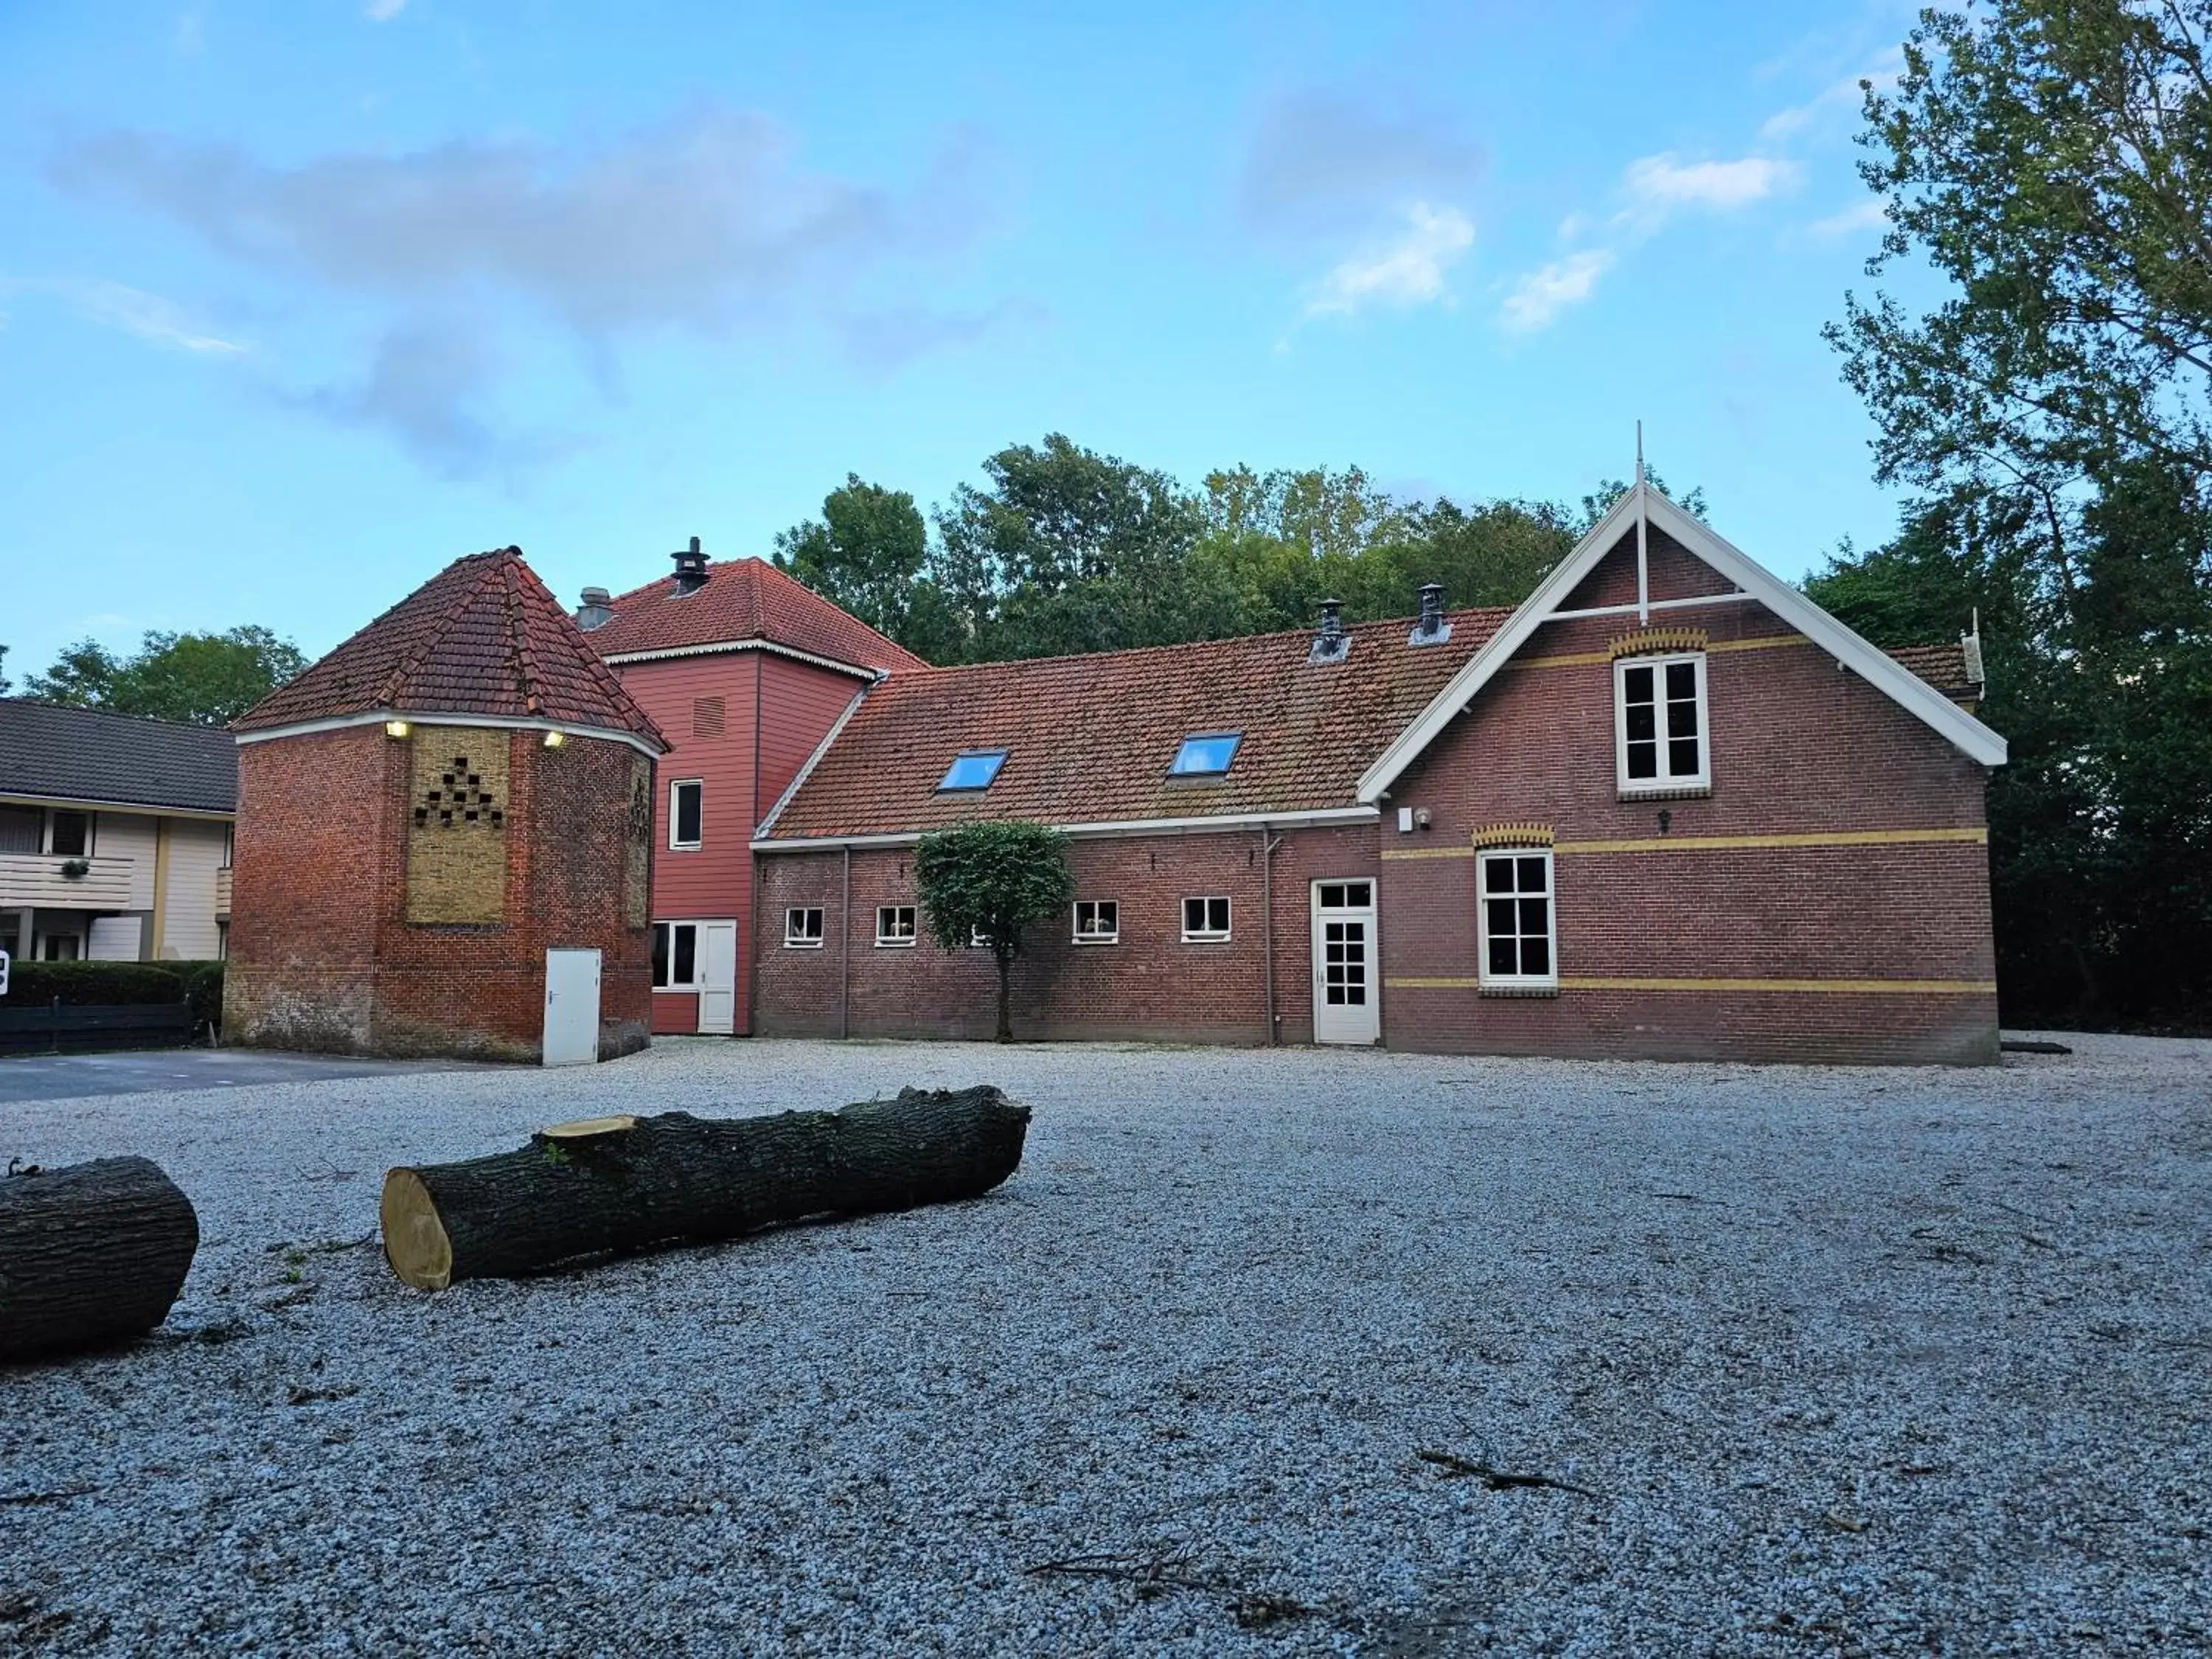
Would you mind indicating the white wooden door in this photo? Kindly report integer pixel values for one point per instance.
(1347, 1002)
(718, 977)
(572, 1008)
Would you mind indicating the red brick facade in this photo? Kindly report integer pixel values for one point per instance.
(322, 955)
(1825, 898)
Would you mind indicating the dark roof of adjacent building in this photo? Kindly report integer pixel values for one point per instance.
(84, 754)
(745, 601)
(1088, 739)
(482, 636)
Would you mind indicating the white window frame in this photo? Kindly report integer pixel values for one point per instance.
(54, 815)
(796, 939)
(897, 941)
(1096, 935)
(693, 983)
(1666, 782)
(1546, 981)
(675, 818)
(1208, 935)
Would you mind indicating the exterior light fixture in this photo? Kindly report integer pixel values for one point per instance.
(555, 739)
(395, 728)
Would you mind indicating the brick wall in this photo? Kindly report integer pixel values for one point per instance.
(1149, 986)
(1799, 748)
(322, 954)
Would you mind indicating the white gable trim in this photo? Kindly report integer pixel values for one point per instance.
(1880, 670)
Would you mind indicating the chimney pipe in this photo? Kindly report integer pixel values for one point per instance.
(595, 611)
(1332, 643)
(690, 569)
(1432, 628)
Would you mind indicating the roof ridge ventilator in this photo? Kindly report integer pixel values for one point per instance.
(1432, 628)
(1332, 643)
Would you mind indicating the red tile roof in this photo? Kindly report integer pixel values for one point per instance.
(745, 600)
(482, 636)
(1944, 667)
(1088, 739)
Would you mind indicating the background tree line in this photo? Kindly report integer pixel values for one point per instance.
(202, 679)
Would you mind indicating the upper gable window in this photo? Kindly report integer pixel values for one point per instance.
(1205, 755)
(1659, 723)
(973, 768)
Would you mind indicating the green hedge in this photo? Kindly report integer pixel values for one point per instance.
(80, 984)
(202, 989)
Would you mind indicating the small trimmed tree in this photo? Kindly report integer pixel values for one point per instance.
(986, 882)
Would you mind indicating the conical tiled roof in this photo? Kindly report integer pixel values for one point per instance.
(482, 636)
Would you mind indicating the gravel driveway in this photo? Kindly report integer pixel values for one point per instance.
(1828, 1361)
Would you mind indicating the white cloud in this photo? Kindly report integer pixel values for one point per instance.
(1329, 164)
(1842, 97)
(383, 11)
(1659, 185)
(1870, 215)
(1408, 272)
(148, 316)
(1538, 297)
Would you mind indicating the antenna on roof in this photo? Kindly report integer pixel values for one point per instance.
(1643, 518)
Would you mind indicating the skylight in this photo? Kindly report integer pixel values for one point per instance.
(974, 769)
(1205, 755)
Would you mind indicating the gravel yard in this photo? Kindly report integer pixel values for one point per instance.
(1832, 1361)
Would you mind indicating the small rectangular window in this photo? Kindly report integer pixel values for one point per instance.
(1347, 895)
(895, 924)
(1660, 723)
(802, 928)
(1097, 921)
(973, 768)
(1516, 937)
(675, 955)
(1204, 920)
(687, 808)
(1205, 754)
(72, 835)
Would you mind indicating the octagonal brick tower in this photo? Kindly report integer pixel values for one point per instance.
(428, 817)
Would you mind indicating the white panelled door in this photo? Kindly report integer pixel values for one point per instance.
(718, 977)
(1347, 1002)
(572, 1008)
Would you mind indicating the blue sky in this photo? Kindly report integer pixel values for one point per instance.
(301, 299)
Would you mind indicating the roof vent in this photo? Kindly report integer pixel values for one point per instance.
(597, 609)
(1432, 628)
(690, 569)
(1969, 651)
(1332, 643)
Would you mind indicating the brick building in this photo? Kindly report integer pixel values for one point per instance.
(443, 842)
(1666, 807)
(745, 673)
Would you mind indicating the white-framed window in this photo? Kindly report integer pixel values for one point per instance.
(802, 928)
(1205, 920)
(675, 955)
(68, 835)
(895, 924)
(687, 813)
(1097, 921)
(1659, 722)
(1516, 917)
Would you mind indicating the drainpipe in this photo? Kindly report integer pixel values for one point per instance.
(845, 950)
(1268, 845)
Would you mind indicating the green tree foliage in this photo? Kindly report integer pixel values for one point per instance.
(2052, 160)
(4, 686)
(990, 881)
(204, 679)
(867, 553)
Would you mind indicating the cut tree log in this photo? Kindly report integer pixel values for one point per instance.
(89, 1254)
(622, 1183)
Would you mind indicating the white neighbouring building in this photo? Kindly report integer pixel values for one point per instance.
(115, 836)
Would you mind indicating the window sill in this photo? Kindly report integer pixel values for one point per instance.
(676, 990)
(683, 845)
(804, 944)
(895, 944)
(1665, 791)
(1206, 938)
(1116, 939)
(1520, 991)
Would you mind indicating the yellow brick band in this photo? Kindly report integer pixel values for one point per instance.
(1429, 852)
(1585, 659)
(1512, 834)
(1834, 987)
(1745, 843)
